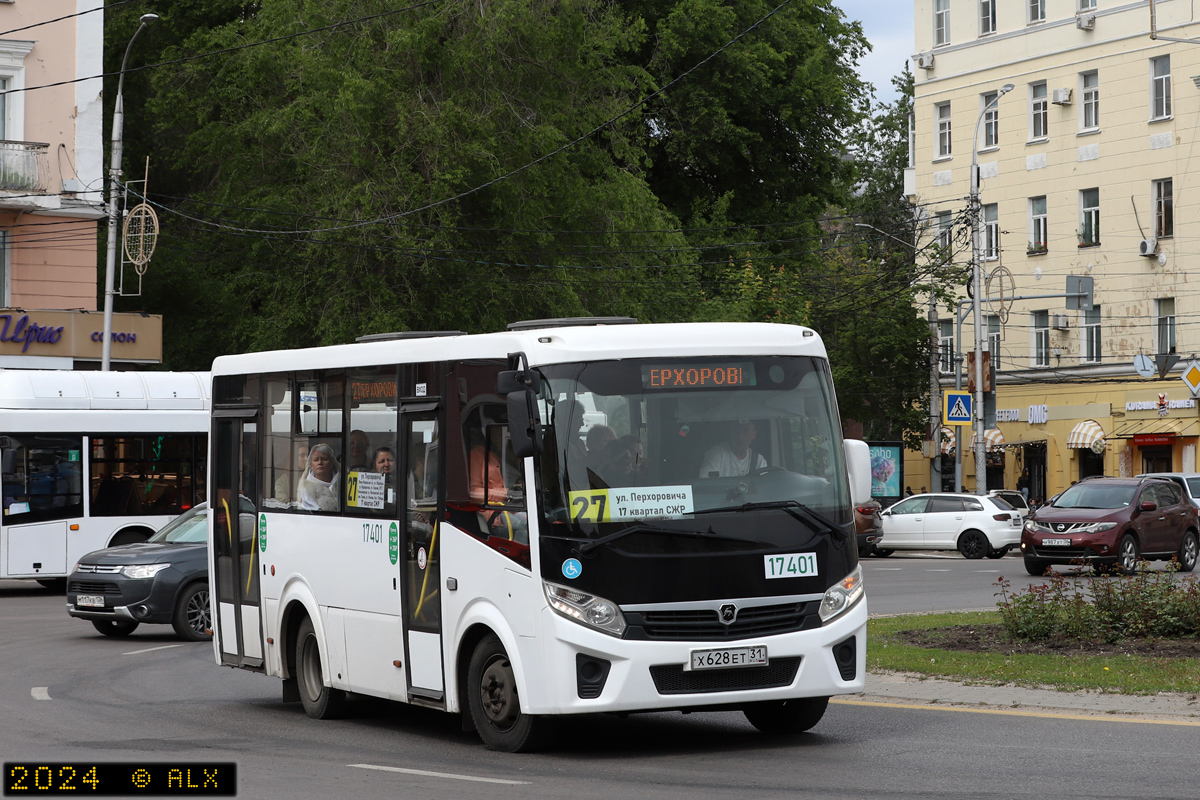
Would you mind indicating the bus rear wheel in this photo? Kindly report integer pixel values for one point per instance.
(320, 701)
(115, 627)
(781, 717)
(495, 703)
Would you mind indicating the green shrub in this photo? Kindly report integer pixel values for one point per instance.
(1109, 607)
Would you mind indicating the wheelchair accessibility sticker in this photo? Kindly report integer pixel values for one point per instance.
(572, 568)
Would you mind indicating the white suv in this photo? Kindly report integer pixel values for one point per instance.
(975, 526)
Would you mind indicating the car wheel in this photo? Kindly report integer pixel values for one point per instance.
(781, 717)
(1188, 551)
(115, 627)
(999, 552)
(973, 544)
(55, 585)
(883, 552)
(495, 702)
(1035, 566)
(863, 552)
(1128, 554)
(191, 620)
(320, 701)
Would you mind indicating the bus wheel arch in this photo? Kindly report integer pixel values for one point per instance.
(321, 701)
(493, 701)
(134, 534)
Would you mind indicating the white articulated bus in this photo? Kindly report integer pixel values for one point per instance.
(95, 459)
(570, 517)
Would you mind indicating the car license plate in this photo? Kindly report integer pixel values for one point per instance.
(1056, 542)
(90, 600)
(730, 657)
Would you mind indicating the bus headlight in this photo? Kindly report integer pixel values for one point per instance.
(842, 596)
(143, 570)
(586, 609)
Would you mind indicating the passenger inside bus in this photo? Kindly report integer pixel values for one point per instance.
(284, 482)
(318, 490)
(360, 445)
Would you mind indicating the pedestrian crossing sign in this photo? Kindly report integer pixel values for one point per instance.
(956, 408)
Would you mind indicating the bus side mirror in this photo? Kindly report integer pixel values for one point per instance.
(521, 386)
(858, 469)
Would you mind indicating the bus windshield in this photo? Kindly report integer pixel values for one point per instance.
(651, 442)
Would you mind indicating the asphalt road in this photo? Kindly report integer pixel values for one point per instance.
(68, 694)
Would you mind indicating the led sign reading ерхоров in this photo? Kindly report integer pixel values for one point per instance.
(700, 376)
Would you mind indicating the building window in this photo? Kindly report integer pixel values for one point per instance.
(945, 236)
(1090, 89)
(1164, 325)
(1037, 10)
(941, 22)
(1160, 87)
(1089, 217)
(1164, 209)
(943, 129)
(991, 121)
(912, 139)
(1038, 235)
(5, 272)
(3, 109)
(991, 231)
(1039, 112)
(946, 347)
(987, 17)
(993, 337)
(1087, 5)
(1091, 335)
(1041, 338)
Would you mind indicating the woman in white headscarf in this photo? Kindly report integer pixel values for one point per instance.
(319, 484)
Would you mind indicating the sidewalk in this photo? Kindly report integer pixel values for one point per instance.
(916, 690)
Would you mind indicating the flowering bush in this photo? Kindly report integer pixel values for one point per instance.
(1109, 608)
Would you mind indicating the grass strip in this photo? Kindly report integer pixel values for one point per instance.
(1117, 674)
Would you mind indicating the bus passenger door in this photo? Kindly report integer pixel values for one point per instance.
(235, 584)
(420, 574)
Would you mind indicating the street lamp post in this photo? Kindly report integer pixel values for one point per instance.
(114, 214)
(977, 283)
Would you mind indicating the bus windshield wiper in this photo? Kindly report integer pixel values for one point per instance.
(592, 544)
(814, 520)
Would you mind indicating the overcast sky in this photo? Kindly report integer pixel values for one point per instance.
(888, 25)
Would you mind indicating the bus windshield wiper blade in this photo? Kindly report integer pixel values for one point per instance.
(793, 507)
(592, 544)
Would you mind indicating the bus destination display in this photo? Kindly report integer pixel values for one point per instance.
(697, 376)
(124, 779)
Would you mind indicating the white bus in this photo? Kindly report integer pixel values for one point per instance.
(95, 459)
(579, 516)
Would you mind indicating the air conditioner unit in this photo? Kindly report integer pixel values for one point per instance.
(925, 60)
(1085, 21)
(1060, 322)
(1148, 248)
(1060, 97)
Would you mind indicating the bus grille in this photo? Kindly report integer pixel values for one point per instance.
(672, 679)
(704, 625)
(93, 587)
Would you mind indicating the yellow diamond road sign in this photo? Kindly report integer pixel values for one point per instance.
(1191, 376)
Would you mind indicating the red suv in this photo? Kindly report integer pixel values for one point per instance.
(1107, 521)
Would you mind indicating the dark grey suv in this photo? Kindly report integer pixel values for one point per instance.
(162, 580)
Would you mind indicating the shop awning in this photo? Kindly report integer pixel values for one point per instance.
(1085, 434)
(1150, 427)
(993, 439)
(947, 444)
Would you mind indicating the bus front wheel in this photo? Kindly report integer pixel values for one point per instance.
(786, 716)
(320, 701)
(496, 705)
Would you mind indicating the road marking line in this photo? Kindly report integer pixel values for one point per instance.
(887, 569)
(40, 692)
(1010, 713)
(449, 775)
(150, 649)
(989, 571)
(937, 570)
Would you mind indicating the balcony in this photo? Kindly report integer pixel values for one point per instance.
(24, 167)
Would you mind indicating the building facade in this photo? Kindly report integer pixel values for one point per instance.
(1084, 177)
(52, 189)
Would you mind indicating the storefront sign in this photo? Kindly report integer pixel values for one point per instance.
(1039, 414)
(1008, 415)
(75, 334)
(1155, 405)
(1143, 439)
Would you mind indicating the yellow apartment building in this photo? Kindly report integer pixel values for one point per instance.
(1086, 167)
